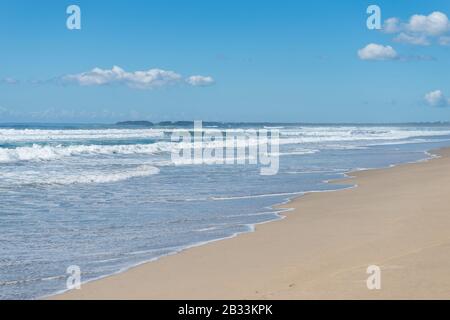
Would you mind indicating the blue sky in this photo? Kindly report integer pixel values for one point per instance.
(280, 61)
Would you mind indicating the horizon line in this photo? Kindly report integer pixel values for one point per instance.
(174, 122)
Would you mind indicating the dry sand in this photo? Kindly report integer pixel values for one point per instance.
(397, 218)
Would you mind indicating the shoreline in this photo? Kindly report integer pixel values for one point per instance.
(106, 287)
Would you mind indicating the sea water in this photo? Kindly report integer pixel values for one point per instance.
(105, 198)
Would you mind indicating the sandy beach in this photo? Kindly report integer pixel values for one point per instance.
(396, 218)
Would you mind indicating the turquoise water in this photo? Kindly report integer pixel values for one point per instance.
(105, 198)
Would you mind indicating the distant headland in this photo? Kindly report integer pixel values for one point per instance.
(135, 123)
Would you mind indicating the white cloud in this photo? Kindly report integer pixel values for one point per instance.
(437, 99)
(375, 51)
(419, 40)
(419, 29)
(138, 79)
(434, 24)
(200, 81)
(149, 79)
(391, 25)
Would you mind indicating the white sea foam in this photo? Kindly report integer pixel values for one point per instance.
(84, 177)
(45, 153)
(305, 134)
(257, 196)
(21, 135)
(101, 177)
(331, 134)
(297, 152)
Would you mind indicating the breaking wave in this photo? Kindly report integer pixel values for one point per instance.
(45, 153)
(86, 177)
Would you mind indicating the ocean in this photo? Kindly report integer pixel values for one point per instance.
(107, 197)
